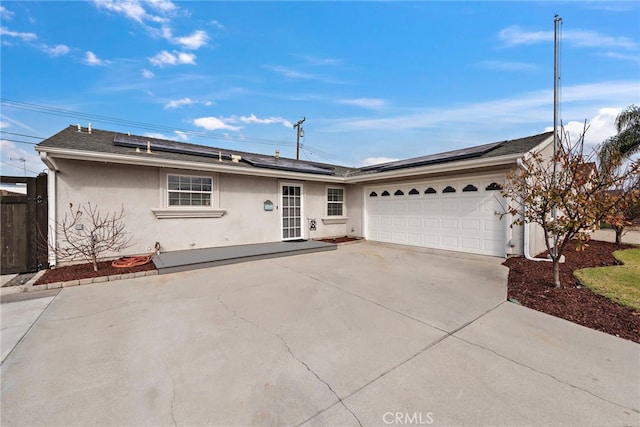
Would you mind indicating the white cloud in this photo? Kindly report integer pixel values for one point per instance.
(506, 65)
(293, 74)
(57, 50)
(4, 31)
(130, 8)
(216, 24)
(14, 122)
(593, 39)
(155, 135)
(176, 58)
(515, 35)
(6, 14)
(147, 74)
(183, 136)
(625, 57)
(196, 40)
(214, 123)
(370, 103)
(186, 58)
(178, 103)
(266, 121)
(90, 58)
(530, 109)
(600, 128)
(4, 125)
(319, 61)
(10, 150)
(162, 5)
(375, 161)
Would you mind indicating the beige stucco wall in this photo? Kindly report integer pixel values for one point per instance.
(355, 201)
(141, 189)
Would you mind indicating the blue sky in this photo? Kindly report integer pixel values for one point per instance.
(375, 80)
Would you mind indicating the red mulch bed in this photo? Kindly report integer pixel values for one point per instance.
(343, 239)
(84, 271)
(531, 283)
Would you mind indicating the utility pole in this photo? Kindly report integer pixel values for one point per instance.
(24, 163)
(557, 23)
(299, 128)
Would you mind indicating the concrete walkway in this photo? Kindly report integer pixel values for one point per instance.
(365, 335)
(18, 313)
(631, 237)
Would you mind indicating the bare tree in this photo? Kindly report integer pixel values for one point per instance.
(86, 233)
(626, 210)
(566, 196)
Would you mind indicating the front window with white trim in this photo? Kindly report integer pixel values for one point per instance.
(184, 190)
(335, 201)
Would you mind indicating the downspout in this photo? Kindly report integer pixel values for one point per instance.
(51, 202)
(525, 226)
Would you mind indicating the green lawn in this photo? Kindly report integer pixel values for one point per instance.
(619, 283)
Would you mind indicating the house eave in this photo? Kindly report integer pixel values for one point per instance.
(59, 153)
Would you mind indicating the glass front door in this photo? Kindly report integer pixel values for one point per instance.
(291, 212)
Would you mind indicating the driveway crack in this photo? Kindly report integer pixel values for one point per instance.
(292, 354)
(173, 395)
(545, 374)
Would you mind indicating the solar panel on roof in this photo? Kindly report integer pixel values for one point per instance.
(266, 162)
(464, 153)
(132, 141)
(285, 164)
(447, 156)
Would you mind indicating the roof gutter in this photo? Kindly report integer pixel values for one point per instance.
(525, 226)
(49, 154)
(51, 163)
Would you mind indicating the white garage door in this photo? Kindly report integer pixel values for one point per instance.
(457, 215)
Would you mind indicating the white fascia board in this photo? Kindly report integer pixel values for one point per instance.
(90, 156)
(459, 166)
(540, 147)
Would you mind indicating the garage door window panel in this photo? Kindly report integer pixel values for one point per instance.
(449, 189)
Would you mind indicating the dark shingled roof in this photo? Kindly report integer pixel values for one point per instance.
(496, 149)
(100, 141)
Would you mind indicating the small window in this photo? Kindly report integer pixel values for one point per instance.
(335, 201)
(373, 194)
(449, 189)
(399, 193)
(189, 190)
(413, 192)
(385, 193)
(430, 190)
(493, 187)
(470, 187)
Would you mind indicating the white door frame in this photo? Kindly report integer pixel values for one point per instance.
(303, 225)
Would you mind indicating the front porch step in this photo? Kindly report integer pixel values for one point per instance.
(191, 259)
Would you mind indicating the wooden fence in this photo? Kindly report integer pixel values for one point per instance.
(23, 226)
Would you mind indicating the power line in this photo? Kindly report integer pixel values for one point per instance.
(18, 167)
(20, 142)
(19, 105)
(21, 134)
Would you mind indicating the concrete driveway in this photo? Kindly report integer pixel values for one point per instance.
(368, 335)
